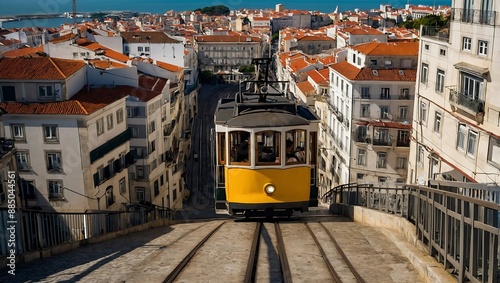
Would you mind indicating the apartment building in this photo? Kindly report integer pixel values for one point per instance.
(349, 35)
(308, 43)
(457, 123)
(226, 52)
(368, 123)
(156, 45)
(72, 155)
(146, 116)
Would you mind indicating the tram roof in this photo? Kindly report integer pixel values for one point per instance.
(251, 114)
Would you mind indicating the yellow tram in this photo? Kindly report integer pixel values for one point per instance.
(266, 146)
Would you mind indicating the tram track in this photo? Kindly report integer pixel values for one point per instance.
(182, 265)
(285, 272)
(267, 251)
(251, 272)
(332, 270)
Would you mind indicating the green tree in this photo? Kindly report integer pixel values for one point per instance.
(275, 36)
(218, 10)
(247, 69)
(207, 77)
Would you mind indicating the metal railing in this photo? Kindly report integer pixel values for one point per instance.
(476, 105)
(382, 142)
(461, 232)
(438, 32)
(474, 16)
(38, 230)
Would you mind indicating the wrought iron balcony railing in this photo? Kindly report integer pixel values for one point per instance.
(382, 142)
(466, 102)
(474, 16)
(403, 142)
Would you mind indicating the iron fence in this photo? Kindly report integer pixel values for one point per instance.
(460, 231)
(38, 230)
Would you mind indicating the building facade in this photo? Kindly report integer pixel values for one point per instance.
(457, 122)
(226, 52)
(370, 102)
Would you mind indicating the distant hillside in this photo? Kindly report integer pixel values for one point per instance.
(218, 10)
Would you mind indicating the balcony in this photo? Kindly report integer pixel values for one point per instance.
(340, 117)
(6, 146)
(112, 169)
(466, 102)
(362, 138)
(382, 142)
(474, 16)
(169, 129)
(365, 96)
(404, 96)
(403, 143)
(439, 33)
(113, 143)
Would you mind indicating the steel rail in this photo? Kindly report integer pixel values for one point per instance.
(285, 268)
(335, 275)
(254, 255)
(344, 257)
(177, 270)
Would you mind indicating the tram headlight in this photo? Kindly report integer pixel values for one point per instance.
(269, 189)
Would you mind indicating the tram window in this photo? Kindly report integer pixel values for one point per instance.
(221, 148)
(313, 144)
(240, 145)
(295, 146)
(267, 147)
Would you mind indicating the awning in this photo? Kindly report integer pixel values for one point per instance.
(472, 69)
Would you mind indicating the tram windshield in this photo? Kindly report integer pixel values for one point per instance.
(267, 147)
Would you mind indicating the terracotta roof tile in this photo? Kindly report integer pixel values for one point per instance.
(106, 64)
(346, 69)
(31, 51)
(152, 83)
(169, 67)
(306, 88)
(68, 107)
(107, 51)
(147, 36)
(38, 68)
(367, 74)
(316, 76)
(63, 38)
(327, 60)
(390, 48)
(297, 64)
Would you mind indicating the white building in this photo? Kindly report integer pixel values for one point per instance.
(72, 155)
(155, 45)
(226, 52)
(457, 130)
(371, 96)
